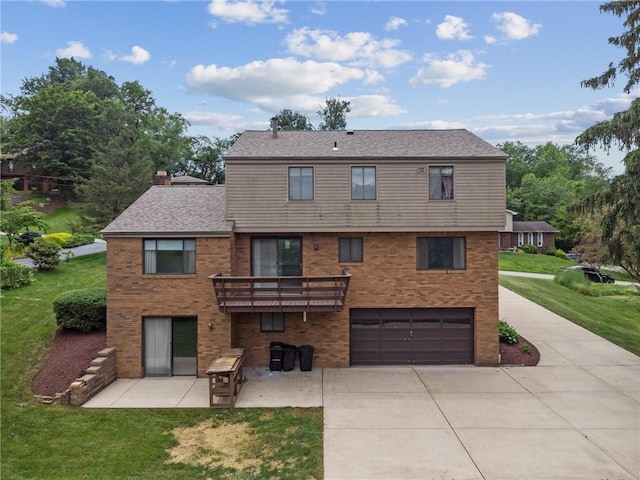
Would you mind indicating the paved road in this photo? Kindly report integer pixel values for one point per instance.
(96, 247)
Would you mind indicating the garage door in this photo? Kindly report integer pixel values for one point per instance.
(419, 336)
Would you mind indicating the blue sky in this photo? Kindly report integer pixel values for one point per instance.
(507, 71)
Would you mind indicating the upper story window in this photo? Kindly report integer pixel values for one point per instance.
(441, 183)
(441, 253)
(170, 256)
(300, 183)
(363, 183)
(350, 249)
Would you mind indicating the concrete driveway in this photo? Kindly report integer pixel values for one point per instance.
(574, 416)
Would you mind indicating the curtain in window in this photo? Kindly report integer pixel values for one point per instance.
(157, 346)
(150, 256)
(447, 183)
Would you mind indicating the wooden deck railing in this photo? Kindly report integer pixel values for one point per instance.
(281, 294)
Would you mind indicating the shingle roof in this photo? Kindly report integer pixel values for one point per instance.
(363, 143)
(177, 209)
(533, 227)
(186, 179)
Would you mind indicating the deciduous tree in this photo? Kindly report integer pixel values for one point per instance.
(334, 114)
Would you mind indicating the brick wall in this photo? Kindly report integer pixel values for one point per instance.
(131, 295)
(387, 278)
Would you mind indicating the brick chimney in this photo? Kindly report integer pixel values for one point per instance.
(274, 127)
(161, 178)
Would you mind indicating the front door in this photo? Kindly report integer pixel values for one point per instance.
(276, 257)
(170, 346)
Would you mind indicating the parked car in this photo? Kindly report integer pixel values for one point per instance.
(593, 274)
(27, 238)
(573, 256)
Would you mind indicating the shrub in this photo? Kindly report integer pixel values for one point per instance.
(58, 238)
(528, 248)
(526, 348)
(45, 255)
(561, 254)
(17, 250)
(507, 333)
(78, 239)
(550, 251)
(27, 238)
(82, 310)
(14, 275)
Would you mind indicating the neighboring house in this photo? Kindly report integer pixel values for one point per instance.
(12, 166)
(374, 247)
(515, 234)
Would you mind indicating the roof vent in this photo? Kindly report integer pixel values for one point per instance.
(335, 145)
(349, 132)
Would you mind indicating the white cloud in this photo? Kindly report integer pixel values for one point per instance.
(210, 118)
(395, 23)
(514, 26)
(455, 68)
(453, 28)
(74, 49)
(277, 78)
(249, 12)
(54, 3)
(138, 55)
(490, 39)
(367, 106)
(356, 48)
(7, 37)
(319, 8)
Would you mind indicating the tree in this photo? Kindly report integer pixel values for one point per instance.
(16, 218)
(288, 120)
(206, 158)
(620, 203)
(62, 119)
(334, 114)
(122, 171)
(544, 182)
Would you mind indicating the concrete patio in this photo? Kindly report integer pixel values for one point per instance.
(574, 416)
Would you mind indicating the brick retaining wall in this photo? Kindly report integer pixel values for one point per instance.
(100, 373)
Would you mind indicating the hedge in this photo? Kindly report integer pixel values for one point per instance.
(82, 310)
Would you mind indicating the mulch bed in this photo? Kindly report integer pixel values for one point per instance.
(71, 355)
(73, 352)
(512, 354)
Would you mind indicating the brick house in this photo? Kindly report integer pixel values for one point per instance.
(518, 233)
(374, 247)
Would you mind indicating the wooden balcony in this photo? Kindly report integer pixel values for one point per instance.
(281, 294)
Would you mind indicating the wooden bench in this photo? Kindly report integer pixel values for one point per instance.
(226, 377)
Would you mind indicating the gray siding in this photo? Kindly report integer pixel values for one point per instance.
(257, 198)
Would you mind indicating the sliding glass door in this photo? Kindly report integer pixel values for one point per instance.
(170, 346)
(276, 257)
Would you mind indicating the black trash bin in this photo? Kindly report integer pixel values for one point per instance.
(289, 357)
(276, 350)
(306, 358)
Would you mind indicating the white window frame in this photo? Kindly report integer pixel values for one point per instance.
(520, 239)
(437, 188)
(530, 238)
(540, 239)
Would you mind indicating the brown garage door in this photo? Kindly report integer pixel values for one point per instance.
(419, 336)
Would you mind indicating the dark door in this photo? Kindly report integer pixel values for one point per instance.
(419, 336)
(170, 346)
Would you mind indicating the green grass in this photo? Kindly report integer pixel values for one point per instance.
(60, 219)
(61, 442)
(615, 318)
(527, 262)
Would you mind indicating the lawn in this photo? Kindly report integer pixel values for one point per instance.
(616, 318)
(533, 263)
(61, 442)
(60, 219)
